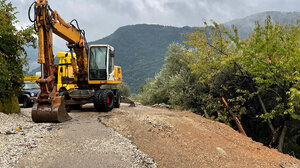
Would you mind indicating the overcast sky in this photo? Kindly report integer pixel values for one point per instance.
(100, 18)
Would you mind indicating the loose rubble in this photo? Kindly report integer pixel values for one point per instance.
(24, 143)
(125, 147)
(19, 135)
(161, 105)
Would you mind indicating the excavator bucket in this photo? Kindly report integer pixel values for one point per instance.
(50, 112)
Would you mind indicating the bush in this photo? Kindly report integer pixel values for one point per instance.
(124, 89)
(10, 105)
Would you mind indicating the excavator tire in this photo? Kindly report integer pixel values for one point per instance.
(50, 112)
(117, 99)
(103, 100)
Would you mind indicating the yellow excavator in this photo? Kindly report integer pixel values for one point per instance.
(92, 68)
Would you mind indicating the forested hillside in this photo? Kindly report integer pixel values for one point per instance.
(140, 50)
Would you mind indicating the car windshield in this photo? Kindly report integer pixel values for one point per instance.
(31, 86)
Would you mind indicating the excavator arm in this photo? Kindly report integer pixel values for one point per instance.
(49, 22)
(50, 106)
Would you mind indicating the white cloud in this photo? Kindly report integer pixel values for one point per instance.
(101, 17)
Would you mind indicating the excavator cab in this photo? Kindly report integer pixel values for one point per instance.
(101, 67)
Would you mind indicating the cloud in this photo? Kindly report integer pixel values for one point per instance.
(102, 17)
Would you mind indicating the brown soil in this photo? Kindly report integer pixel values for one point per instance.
(184, 139)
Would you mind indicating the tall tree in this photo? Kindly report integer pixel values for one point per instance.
(12, 56)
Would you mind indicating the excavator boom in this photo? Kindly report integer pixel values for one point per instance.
(50, 107)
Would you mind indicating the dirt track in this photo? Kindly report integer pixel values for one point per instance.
(183, 139)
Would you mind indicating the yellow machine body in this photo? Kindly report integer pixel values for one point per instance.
(111, 74)
(31, 78)
(65, 73)
(81, 72)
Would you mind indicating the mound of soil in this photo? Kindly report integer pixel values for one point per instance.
(184, 139)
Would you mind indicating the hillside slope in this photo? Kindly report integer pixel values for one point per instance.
(246, 25)
(140, 50)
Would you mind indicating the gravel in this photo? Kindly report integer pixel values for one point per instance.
(24, 143)
(19, 135)
(129, 152)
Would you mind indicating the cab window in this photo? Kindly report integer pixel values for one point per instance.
(111, 62)
(97, 63)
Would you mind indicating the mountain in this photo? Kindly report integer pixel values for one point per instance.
(140, 49)
(247, 24)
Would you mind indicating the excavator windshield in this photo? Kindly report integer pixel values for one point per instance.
(97, 63)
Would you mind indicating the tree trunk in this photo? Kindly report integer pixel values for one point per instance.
(237, 121)
(281, 138)
(275, 136)
(265, 111)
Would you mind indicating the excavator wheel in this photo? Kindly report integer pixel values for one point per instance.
(50, 112)
(117, 99)
(103, 100)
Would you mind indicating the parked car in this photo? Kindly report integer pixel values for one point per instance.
(30, 93)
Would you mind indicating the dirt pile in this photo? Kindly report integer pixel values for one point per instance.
(183, 139)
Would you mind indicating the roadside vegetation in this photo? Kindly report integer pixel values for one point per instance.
(12, 57)
(124, 89)
(253, 81)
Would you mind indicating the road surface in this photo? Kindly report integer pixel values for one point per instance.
(80, 142)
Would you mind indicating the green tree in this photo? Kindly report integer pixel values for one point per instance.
(174, 84)
(12, 57)
(157, 90)
(272, 57)
(263, 69)
(124, 89)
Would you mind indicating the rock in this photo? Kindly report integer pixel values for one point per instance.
(221, 151)
(155, 105)
(9, 133)
(288, 165)
(127, 100)
(161, 105)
